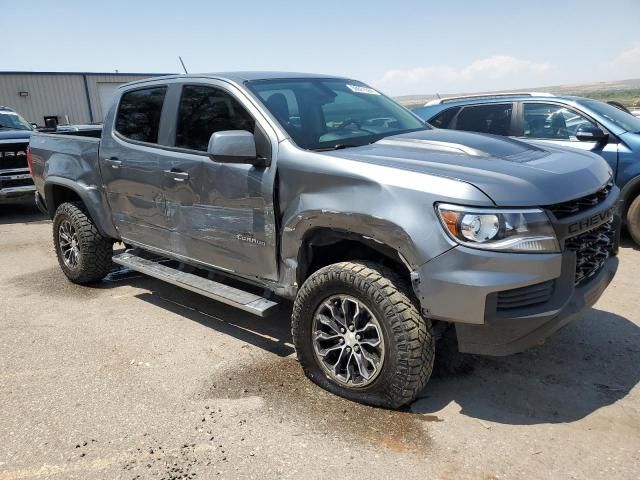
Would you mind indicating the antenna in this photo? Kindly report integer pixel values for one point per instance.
(183, 67)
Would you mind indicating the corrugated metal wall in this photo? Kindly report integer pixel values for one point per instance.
(61, 95)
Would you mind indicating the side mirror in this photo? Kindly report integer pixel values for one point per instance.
(234, 146)
(591, 134)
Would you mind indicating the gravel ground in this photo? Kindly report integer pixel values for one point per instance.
(137, 379)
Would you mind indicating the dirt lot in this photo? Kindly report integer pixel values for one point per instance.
(136, 379)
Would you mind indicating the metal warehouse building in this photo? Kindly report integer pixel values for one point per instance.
(62, 97)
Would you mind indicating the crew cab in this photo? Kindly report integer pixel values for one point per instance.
(259, 188)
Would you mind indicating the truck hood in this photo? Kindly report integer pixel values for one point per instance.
(510, 172)
(6, 136)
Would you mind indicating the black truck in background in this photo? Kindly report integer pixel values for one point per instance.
(16, 184)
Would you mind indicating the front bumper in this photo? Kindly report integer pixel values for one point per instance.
(16, 186)
(505, 336)
(17, 194)
(504, 303)
(462, 286)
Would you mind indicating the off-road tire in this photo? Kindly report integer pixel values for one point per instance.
(408, 337)
(95, 251)
(633, 220)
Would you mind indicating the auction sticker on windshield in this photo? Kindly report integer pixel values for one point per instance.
(359, 89)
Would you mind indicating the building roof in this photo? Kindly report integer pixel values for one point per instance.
(123, 74)
(240, 75)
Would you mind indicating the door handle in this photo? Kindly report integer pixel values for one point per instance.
(176, 175)
(113, 162)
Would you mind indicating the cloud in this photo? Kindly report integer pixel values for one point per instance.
(500, 66)
(627, 62)
(481, 74)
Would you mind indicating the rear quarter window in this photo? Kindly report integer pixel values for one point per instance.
(492, 118)
(139, 114)
(443, 119)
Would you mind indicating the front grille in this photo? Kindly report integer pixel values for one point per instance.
(566, 209)
(6, 182)
(13, 155)
(592, 249)
(525, 296)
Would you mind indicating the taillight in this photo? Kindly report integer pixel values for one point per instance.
(29, 162)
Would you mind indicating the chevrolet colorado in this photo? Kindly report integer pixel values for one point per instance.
(252, 188)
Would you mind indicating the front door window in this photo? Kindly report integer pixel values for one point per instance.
(552, 122)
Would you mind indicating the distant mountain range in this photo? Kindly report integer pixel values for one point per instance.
(624, 91)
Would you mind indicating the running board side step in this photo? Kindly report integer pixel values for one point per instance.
(215, 290)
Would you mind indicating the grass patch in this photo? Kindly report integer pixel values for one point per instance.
(629, 98)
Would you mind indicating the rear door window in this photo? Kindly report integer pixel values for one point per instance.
(552, 122)
(205, 110)
(493, 118)
(139, 114)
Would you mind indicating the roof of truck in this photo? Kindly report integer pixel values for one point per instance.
(238, 77)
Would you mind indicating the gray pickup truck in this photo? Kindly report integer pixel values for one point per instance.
(258, 188)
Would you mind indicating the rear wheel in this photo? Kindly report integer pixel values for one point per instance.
(359, 334)
(633, 220)
(83, 253)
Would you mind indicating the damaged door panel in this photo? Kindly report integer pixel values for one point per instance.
(220, 214)
(130, 164)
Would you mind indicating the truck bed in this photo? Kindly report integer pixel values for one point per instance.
(69, 162)
(63, 154)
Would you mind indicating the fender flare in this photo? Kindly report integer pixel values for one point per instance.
(372, 229)
(92, 198)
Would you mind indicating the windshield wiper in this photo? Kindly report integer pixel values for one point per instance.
(339, 146)
(11, 128)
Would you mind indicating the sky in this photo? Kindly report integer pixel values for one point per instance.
(400, 47)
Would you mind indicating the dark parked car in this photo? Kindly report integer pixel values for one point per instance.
(561, 120)
(16, 184)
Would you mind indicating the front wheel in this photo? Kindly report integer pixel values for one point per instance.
(359, 334)
(83, 253)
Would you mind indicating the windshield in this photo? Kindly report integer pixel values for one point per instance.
(622, 119)
(323, 114)
(13, 121)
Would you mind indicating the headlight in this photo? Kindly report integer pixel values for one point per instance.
(505, 230)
